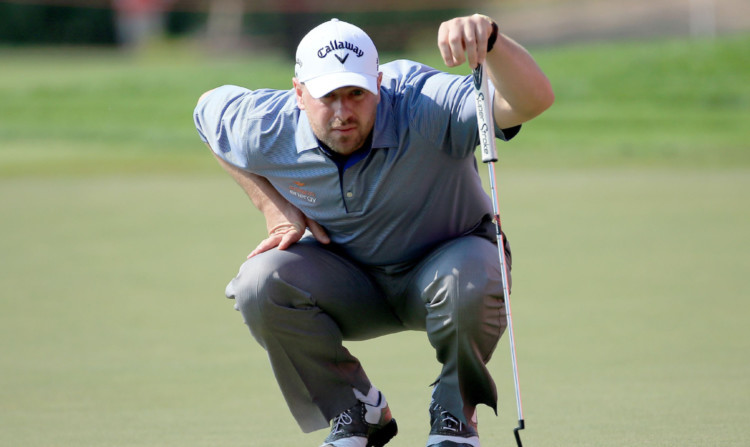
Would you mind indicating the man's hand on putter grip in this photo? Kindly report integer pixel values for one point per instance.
(464, 38)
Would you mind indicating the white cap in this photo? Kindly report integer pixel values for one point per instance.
(336, 54)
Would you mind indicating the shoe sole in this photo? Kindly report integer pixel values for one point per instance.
(382, 436)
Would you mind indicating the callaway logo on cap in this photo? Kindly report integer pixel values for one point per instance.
(336, 54)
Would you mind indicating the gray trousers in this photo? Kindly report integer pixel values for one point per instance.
(302, 303)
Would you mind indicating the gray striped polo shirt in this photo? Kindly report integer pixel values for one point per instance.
(417, 187)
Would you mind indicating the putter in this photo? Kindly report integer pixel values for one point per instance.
(489, 156)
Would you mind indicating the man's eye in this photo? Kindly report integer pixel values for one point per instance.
(358, 92)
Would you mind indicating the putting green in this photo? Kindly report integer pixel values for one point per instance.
(629, 298)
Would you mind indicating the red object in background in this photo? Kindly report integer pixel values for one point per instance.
(138, 7)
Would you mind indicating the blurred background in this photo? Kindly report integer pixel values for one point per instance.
(248, 24)
(627, 205)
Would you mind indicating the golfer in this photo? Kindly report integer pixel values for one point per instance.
(377, 220)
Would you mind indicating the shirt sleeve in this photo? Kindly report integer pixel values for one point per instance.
(442, 107)
(217, 119)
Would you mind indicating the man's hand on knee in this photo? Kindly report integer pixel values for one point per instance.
(285, 234)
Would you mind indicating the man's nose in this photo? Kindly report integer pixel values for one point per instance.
(342, 109)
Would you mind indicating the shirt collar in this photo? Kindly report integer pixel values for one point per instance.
(384, 134)
(304, 138)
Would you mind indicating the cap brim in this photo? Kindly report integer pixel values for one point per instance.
(322, 85)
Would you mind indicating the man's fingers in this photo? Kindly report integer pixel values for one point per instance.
(289, 239)
(443, 45)
(318, 231)
(287, 234)
(451, 42)
(281, 236)
(482, 35)
(286, 227)
(457, 46)
(471, 43)
(463, 39)
(265, 245)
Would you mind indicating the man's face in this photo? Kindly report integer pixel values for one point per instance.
(343, 118)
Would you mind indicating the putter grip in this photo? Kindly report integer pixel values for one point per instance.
(484, 115)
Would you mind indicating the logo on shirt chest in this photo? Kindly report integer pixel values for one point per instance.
(296, 189)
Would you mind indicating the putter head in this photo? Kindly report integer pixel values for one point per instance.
(521, 426)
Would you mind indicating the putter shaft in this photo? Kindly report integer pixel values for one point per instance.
(489, 155)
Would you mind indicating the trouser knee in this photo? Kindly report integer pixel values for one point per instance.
(262, 289)
(466, 304)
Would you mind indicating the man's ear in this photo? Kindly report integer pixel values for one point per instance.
(299, 90)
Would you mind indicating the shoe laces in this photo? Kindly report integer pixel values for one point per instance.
(449, 422)
(340, 422)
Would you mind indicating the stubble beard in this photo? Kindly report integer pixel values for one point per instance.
(344, 145)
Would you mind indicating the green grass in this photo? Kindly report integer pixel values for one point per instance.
(671, 103)
(626, 204)
(668, 103)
